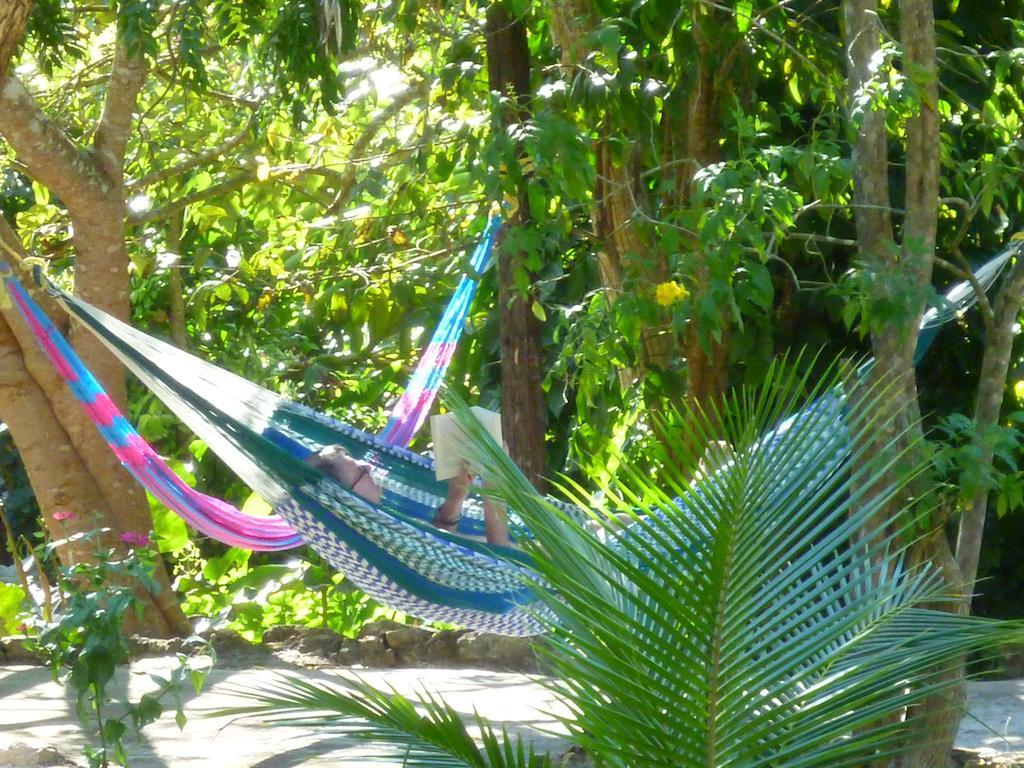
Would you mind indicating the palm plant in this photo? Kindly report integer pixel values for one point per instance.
(751, 616)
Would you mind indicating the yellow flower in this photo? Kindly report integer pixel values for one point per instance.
(1018, 389)
(669, 293)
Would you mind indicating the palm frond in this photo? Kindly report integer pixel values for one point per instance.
(757, 615)
(426, 733)
(744, 618)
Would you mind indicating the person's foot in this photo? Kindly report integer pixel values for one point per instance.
(449, 514)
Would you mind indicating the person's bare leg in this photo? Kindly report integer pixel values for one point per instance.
(450, 512)
(496, 523)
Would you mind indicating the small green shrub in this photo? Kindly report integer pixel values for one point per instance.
(237, 592)
(83, 642)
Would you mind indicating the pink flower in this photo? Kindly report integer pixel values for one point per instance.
(64, 514)
(23, 628)
(135, 539)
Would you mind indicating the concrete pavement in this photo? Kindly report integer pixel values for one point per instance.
(39, 713)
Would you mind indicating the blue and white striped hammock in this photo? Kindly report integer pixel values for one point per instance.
(389, 550)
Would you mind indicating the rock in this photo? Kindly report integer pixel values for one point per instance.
(408, 643)
(379, 628)
(280, 637)
(318, 642)
(496, 651)
(349, 654)
(23, 756)
(226, 641)
(373, 652)
(14, 652)
(986, 758)
(140, 646)
(574, 757)
(406, 638)
(442, 647)
(311, 641)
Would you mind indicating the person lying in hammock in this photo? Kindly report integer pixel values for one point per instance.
(355, 475)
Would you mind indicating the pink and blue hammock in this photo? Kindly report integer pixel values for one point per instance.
(391, 551)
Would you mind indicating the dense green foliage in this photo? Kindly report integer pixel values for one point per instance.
(305, 194)
(18, 503)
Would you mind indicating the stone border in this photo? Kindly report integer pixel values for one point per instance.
(381, 644)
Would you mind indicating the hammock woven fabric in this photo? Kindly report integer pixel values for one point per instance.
(214, 517)
(414, 405)
(389, 550)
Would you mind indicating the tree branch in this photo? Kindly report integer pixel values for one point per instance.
(200, 159)
(964, 273)
(347, 179)
(176, 206)
(50, 157)
(127, 76)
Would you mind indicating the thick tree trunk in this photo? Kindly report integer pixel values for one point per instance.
(938, 717)
(86, 478)
(906, 270)
(523, 412)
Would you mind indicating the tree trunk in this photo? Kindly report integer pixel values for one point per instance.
(906, 270)
(176, 286)
(697, 140)
(995, 365)
(13, 22)
(46, 422)
(524, 414)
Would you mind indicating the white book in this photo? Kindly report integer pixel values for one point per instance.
(449, 439)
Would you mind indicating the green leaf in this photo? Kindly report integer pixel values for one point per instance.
(11, 599)
(170, 530)
(793, 83)
(216, 567)
(147, 711)
(198, 678)
(255, 505)
(744, 9)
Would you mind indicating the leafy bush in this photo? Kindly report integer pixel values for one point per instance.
(251, 597)
(83, 642)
